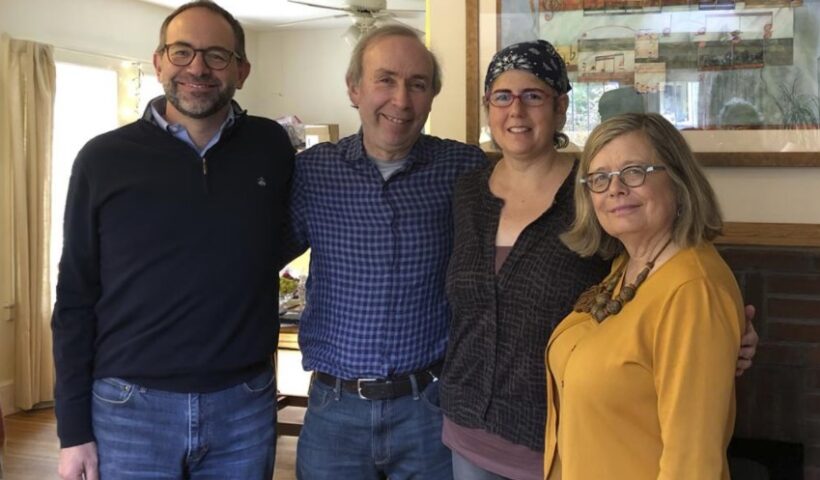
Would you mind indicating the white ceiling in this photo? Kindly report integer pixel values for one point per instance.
(268, 15)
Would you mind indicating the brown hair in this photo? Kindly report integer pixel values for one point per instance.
(699, 217)
(238, 32)
(356, 65)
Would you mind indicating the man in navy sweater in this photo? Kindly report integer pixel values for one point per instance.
(166, 310)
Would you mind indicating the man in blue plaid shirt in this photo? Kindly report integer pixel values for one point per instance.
(376, 211)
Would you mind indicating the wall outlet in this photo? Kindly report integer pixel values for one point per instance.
(7, 313)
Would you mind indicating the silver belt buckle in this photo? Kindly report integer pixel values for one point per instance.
(359, 386)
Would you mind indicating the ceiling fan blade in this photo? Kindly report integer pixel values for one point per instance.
(318, 5)
(396, 14)
(407, 15)
(308, 20)
(406, 10)
(405, 5)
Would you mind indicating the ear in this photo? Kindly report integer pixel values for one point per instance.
(561, 106)
(243, 70)
(353, 93)
(157, 58)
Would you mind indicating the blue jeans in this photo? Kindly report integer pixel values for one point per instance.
(346, 437)
(152, 434)
(464, 469)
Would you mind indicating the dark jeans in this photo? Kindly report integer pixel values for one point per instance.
(346, 437)
(152, 434)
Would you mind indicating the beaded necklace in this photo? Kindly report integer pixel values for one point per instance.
(598, 301)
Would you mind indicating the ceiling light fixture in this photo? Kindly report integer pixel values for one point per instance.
(362, 23)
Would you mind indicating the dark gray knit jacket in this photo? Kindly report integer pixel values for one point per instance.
(494, 375)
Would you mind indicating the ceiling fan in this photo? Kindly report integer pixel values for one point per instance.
(366, 15)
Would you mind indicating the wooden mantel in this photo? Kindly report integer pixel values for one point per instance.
(770, 234)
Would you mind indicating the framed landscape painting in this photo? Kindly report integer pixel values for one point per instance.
(739, 79)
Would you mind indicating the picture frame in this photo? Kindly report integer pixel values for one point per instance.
(739, 80)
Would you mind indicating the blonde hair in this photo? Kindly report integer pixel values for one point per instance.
(699, 217)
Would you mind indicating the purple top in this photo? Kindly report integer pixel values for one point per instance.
(493, 453)
(501, 254)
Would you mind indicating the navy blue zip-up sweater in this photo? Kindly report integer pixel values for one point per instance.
(168, 275)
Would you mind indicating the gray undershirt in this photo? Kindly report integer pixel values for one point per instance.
(388, 169)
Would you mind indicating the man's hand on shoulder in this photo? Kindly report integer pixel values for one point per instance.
(78, 460)
(748, 343)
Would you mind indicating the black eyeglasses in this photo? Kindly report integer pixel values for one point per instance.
(532, 97)
(631, 176)
(216, 58)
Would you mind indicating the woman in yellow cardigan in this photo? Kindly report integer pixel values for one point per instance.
(641, 374)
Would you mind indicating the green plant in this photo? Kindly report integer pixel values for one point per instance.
(798, 109)
(287, 285)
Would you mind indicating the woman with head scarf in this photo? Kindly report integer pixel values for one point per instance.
(510, 279)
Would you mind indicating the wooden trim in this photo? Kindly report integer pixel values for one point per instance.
(471, 12)
(289, 337)
(759, 159)
(499, 7)
(770, 234)
(742, 159)
(495, 155)
(283, 401)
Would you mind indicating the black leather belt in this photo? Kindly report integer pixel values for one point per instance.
(384, 388)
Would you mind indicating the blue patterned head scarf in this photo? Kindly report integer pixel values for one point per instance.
(538, 57)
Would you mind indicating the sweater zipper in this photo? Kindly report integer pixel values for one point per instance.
(205, 173)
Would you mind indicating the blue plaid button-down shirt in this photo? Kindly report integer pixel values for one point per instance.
(376, 303)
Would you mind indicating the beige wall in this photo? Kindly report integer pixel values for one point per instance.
(119, 27)
(788, 195)
(302, 72)
(778, 195)
(447, 39)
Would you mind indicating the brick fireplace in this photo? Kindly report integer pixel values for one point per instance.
(779, 398)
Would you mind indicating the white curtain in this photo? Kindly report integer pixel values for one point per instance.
(27, 89)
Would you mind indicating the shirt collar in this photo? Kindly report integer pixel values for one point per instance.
(154, 114)
(156, 110)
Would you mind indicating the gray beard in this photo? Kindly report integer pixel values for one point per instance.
(200, 109)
